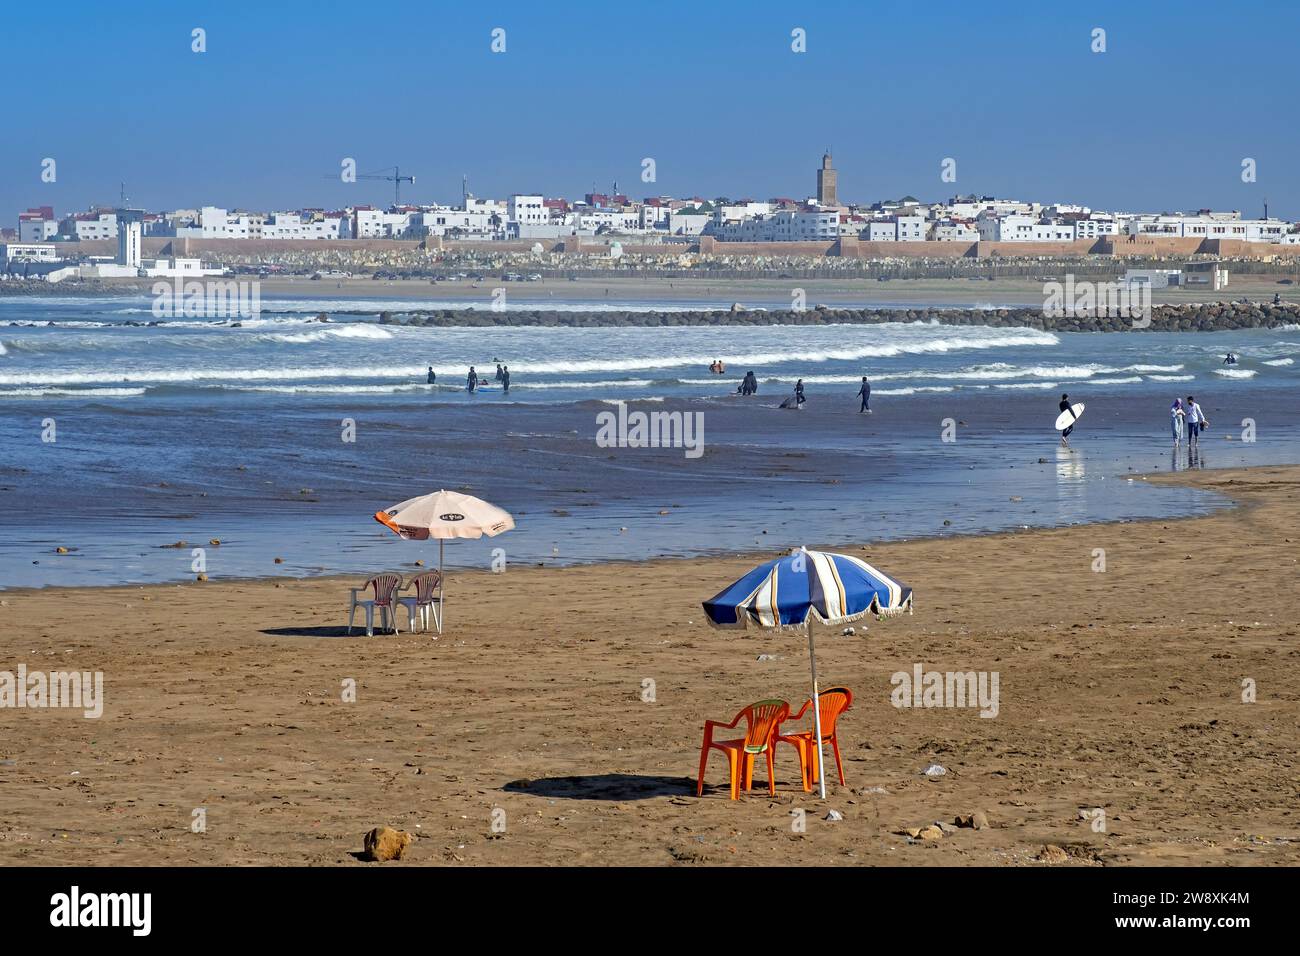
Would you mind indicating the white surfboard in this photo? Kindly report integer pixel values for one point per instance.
(1068, 418)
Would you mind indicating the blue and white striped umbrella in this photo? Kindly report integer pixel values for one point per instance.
(833, 588)
(787, 593)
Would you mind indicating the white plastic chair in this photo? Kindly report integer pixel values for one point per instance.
(385, 587)
(426, 601)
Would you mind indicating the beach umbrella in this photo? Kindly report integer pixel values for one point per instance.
(443, 515)
(788, 593)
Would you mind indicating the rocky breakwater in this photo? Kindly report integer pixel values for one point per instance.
(1207, 317)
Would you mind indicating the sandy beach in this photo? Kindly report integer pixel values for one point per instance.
(1120, 690)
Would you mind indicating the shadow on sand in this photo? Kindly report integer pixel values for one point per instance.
(605, 786)
(340, 630)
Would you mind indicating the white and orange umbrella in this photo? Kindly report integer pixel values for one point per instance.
(443, 515)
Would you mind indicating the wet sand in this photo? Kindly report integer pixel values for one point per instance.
(1119, 690)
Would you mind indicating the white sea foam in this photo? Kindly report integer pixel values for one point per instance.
(1275, 362)
(913, 390)
(1130, 380)
(72, 392)
(1172, 378)
(349, 331)
(1236, 372)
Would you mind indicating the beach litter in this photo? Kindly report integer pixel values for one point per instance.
(1051, 853)
(385, 843)
(934, 770)
(834, 816)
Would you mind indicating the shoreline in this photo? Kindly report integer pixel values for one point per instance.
(225, 696)
(407, 568)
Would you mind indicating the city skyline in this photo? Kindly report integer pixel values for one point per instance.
(265, 115)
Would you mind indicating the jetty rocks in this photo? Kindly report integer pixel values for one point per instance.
(1204, 317)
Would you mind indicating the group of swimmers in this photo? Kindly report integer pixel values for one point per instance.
(1230, 358)
(717, 368)
(472, 379)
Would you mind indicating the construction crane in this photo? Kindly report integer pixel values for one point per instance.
(395, 177)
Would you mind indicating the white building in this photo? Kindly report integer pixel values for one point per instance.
(91, 225)
(128, 244)
(1208, 225)
(292, 225)
(527, 210)
(687, 224)
(37, 225)
(1018, 227)
(29, 252)
(785, 226)
(474, 222)
(955, 232)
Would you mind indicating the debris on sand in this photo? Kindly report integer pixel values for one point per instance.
(385, 843)
(1051, 853)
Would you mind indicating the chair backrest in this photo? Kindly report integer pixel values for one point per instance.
(763, 719)
(426, 585)
(833, 702)
(385, 586)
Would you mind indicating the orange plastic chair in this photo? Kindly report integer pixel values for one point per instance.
(834, 702)
(762, 724)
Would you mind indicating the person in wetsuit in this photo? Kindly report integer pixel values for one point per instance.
(865, 392)
(505, 378)
(432, 378)
(1065, 407)
(471, 381)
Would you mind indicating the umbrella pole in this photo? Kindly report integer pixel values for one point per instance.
(817, 705)
(442, 608)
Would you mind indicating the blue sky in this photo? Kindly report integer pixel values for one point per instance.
(710, 90)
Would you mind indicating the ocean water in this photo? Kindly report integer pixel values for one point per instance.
(195, 429)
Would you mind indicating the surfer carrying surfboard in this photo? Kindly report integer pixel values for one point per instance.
(1066, 418)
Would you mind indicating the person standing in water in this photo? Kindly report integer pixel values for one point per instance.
(471, 381)
(1065, 407)
(865, 392)
(505, 378)
(498, 371)
(432, 378)
(1176, 415)
(1196, 422)
(798, 394)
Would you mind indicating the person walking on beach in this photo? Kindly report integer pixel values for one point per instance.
(471, 381)
(1196, 422)
(865, 392)
(1176, 415)
(798, 394)
(431, 378)
(505, 378)
(1065, 407)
